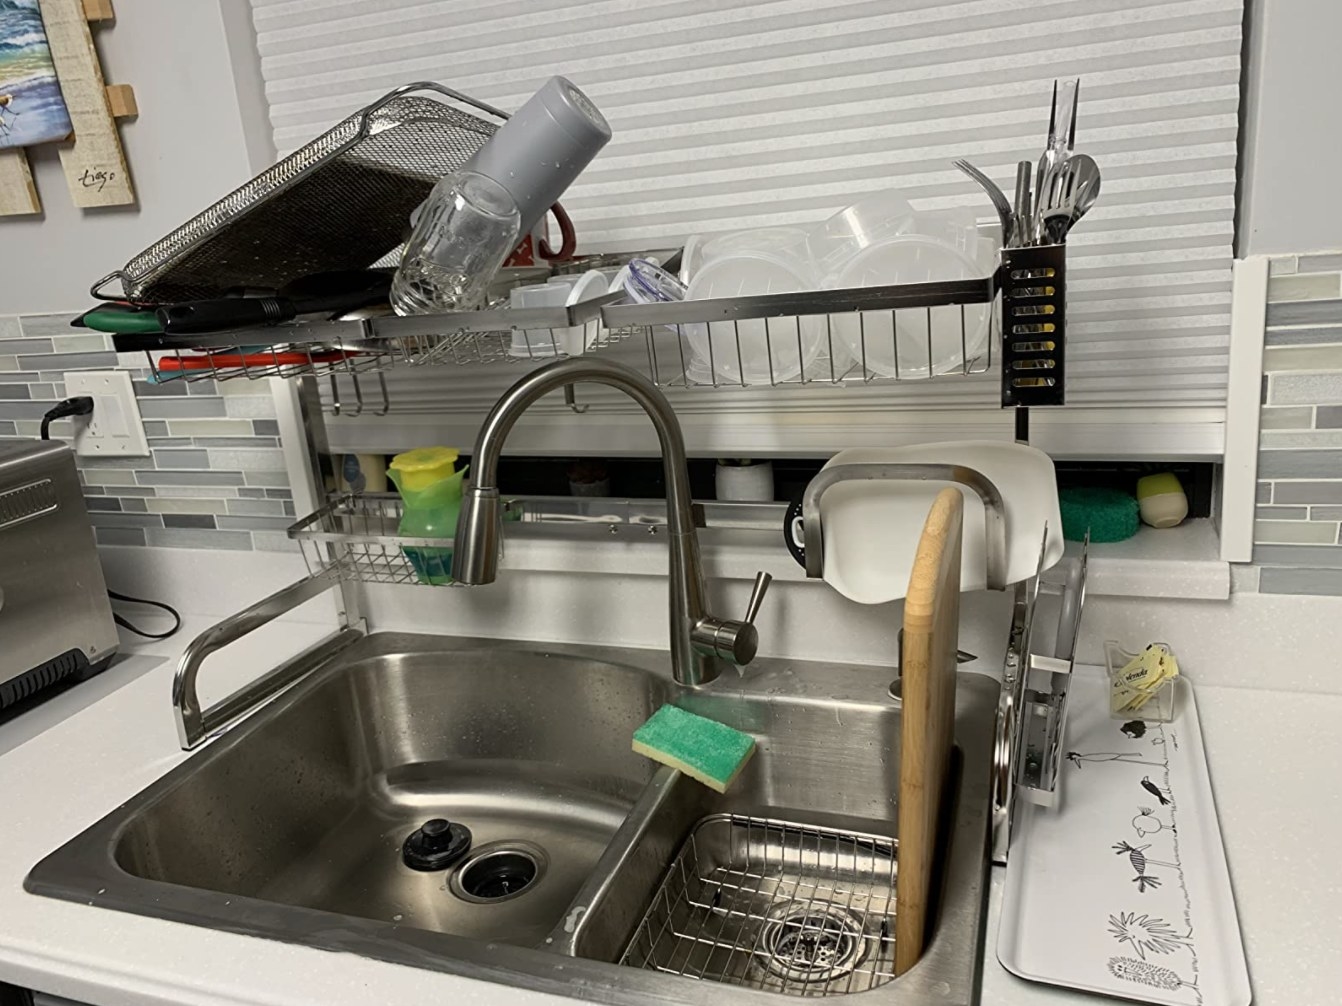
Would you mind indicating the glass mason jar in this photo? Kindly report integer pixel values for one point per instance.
(466, 228)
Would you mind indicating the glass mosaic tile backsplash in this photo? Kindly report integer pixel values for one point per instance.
(215, 476)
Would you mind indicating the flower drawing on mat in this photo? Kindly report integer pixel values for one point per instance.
(1143, 934)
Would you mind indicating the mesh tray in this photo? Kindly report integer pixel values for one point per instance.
(340, 202)
(765, 904)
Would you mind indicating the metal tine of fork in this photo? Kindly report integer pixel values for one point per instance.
(1076, 100)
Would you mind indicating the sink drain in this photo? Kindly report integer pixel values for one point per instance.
(811, 942)
(498, 872)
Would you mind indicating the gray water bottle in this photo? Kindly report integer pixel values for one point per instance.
(538, 152)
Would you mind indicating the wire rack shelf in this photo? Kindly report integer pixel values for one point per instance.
(771, 905)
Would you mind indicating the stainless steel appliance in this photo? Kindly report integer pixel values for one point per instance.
(55, 617)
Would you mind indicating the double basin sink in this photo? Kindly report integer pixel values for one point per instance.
(591, 871)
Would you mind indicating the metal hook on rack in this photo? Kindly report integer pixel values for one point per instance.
(571, 399)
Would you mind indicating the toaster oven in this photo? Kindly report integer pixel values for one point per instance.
(55, 618)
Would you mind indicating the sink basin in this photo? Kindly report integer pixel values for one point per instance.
(311, 808)
(584, 855)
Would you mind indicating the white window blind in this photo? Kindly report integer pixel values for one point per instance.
(735, 114)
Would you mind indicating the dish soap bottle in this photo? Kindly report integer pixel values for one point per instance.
(430, 489)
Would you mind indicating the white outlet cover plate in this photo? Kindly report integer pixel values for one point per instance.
(115, 428)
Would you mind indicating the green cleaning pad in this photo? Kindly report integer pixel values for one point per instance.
(1109, 514)
(702, 749)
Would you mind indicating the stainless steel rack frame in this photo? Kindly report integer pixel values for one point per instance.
(917, 331)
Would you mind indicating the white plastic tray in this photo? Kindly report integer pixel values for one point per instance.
(1122, 888)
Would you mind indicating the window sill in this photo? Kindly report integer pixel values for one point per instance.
(1178, 562)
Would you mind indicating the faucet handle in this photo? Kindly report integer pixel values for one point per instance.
(762, 581)
(730, 640)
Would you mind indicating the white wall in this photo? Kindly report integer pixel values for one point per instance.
(187, 148)
(1290, 199)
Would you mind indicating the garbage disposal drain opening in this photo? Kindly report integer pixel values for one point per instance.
(498, 872)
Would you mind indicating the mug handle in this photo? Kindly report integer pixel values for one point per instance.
(569, 238)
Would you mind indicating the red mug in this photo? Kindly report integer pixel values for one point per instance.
(537, 246)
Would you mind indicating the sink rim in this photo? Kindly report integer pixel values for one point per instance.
(87, 862)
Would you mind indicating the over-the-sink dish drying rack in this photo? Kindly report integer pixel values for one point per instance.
(340, 203)
(346, 195)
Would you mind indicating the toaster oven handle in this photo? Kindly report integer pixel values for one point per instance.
(195, 724)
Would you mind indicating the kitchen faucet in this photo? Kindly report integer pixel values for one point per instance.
(700, 642)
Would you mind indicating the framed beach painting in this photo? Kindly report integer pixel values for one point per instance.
(32, 109)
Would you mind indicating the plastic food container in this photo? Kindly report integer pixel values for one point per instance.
(912, 342)
(755, 351)
(867, 222)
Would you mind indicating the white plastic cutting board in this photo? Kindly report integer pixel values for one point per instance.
(1123, 888)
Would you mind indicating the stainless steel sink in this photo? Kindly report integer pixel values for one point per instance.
(290, 827)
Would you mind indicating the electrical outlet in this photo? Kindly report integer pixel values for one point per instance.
(115, 428)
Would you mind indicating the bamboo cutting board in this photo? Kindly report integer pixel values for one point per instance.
(927, 670)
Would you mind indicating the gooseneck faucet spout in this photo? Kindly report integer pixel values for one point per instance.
(699, 641)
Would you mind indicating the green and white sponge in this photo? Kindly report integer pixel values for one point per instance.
(703, 749)
(1109, 515)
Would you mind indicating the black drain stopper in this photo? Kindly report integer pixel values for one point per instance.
(435, 845)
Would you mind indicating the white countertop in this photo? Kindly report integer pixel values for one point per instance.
(1273, 759)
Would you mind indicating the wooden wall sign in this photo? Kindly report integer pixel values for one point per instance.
(91, 156)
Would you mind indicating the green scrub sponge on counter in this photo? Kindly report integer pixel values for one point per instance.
(701, 748)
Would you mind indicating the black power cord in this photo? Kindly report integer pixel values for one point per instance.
(125, 624)
(80, 405)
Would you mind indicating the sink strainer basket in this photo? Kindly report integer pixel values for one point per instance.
(770, 905)
(342, 201)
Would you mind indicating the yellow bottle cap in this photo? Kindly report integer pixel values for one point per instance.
(420, 468)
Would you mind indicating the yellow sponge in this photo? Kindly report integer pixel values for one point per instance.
(701, 748)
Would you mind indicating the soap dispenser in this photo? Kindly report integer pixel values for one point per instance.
(430, 489)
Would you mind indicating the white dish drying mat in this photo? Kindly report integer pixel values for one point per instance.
(1123, 888)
